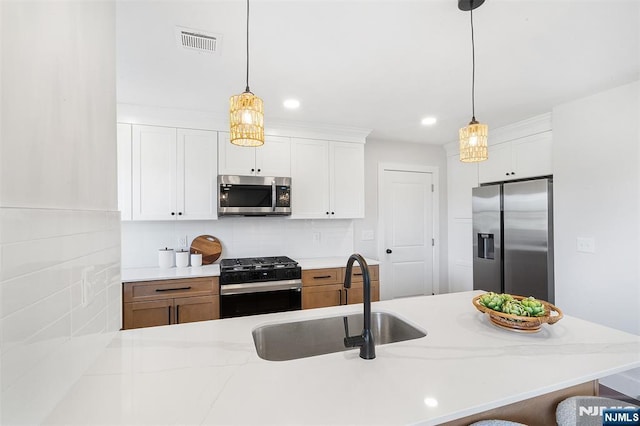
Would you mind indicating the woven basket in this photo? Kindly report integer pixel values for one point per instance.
(517, 322)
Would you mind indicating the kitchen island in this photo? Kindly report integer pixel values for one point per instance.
(209, 373)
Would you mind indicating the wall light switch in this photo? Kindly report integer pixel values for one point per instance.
(367, 235)
(182, 241)
(316, 237)
(586, 245)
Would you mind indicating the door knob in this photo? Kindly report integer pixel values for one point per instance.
(389, 251)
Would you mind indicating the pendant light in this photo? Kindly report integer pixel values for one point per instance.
(473, 138)
(246, 112)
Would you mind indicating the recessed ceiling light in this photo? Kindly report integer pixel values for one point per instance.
(291, 103)
(429, 121)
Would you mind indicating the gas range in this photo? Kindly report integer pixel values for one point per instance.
(244, 271)
(253, 263)
(256, 285)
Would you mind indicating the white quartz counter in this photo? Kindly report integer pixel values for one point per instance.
(330, 262)
(150, 274)
(209, 372)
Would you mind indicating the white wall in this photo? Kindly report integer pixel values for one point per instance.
(240, 237)
(596, 154)
(57, 199)
(378, 151)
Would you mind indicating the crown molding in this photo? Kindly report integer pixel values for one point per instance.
(520, 129)
(205, 120)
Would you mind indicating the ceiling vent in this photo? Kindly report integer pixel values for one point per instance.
(198, 40)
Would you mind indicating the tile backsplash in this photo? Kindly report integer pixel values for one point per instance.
(240, 237)
(60, 299)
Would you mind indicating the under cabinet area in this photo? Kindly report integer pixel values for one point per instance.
(271, 159)
(327, 179)
(322, 288)
(165, 302)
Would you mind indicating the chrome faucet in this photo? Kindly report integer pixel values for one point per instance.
(365, 339)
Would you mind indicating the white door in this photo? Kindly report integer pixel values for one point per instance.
(154, 173)
(408, 222)
(197, 174)
(234, 159)
(309, 179)
(274, 157)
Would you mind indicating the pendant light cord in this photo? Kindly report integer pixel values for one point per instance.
(473, 72)
(247, 88)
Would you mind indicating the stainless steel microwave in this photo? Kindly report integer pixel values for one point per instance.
(254, 195)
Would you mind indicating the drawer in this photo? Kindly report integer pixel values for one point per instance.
(321, 276)
(356, 273)
(169, 289)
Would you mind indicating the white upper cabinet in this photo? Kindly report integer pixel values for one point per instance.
(532, 156)
(174, 173)
(327, 179)
(517, 159)
(271, 159)
(309, 179)
(124, 170)
(346, 173)
(197, 181)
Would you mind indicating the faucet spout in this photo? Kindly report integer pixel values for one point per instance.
(365, 339)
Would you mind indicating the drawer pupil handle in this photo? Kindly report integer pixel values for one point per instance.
(173, 289)
(322, 277)
(356, 275)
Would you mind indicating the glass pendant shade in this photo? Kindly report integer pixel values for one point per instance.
(473, 142)
(246, 116)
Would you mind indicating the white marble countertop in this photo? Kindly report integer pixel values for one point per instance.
(155, 273)
(150, 274)
(330, 262)
(209, 372)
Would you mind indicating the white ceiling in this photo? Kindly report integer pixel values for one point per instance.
(380, 65)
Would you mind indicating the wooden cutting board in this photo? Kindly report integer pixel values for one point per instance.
(209, 246)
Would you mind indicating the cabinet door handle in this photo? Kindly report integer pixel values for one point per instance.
(169, 315)
(253, 170)
(346, 296)
(173, 213)
(506, 174)
(173, 289)
(340, 296)
(322, 277)
(179, 213)
(389, 251)
(333, 212)
(357, 274)
(327, 212)
(177, 314)
(259, 170)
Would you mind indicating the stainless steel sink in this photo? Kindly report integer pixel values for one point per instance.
(294, 340)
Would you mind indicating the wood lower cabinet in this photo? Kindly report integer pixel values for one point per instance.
(355, 294)
(324, 287)
(153, 303)
(321, 288)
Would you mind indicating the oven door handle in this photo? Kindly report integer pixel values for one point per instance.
(260, 287)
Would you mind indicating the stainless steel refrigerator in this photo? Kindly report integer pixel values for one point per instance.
(513, 238)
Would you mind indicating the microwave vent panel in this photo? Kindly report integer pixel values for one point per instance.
(197, 40)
